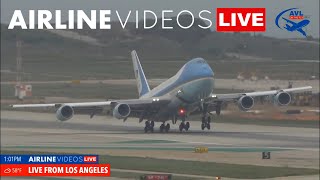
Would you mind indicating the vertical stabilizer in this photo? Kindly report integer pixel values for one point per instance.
(142, 83)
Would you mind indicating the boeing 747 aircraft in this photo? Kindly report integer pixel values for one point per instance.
(191, 90)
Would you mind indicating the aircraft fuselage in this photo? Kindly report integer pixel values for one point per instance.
(193, 82)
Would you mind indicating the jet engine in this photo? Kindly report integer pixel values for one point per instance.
(121, 111)
(245, 103)
(64, 113)
(282, 99)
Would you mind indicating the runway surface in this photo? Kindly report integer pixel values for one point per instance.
(229, 143)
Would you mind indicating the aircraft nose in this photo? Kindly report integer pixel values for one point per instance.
(207, 69)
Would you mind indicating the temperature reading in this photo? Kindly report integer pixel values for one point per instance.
(16, 170)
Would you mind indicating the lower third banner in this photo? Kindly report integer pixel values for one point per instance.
(55, 170)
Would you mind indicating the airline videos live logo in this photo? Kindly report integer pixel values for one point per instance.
(241, 19)
(90, 159)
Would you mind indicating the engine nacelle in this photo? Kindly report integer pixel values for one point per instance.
(64, 113)
(282, 99)
(245, 103)
(121, 111)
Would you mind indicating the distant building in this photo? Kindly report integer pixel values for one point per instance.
(23, 90)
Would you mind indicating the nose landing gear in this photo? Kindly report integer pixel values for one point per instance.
(184, 126)
(182, 113)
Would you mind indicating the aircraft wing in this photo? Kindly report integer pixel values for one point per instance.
(135, 104)
(235, 96)
(84, 104)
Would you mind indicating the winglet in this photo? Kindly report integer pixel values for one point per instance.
(142, 83)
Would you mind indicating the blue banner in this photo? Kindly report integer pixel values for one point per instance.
(48, 159)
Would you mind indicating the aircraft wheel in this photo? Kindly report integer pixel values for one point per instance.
(167, 127)
(147, 127)
(203, 125)
(162, 127)
(203, 119)
(208, 126)
(187, 126)
(218, 110)
(152, 124)
(181, 127)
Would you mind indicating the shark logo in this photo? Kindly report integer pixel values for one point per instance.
(293, 20)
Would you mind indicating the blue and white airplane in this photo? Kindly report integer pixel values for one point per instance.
(191, 90)
(297, 26)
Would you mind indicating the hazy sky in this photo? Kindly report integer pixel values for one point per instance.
(274, 7)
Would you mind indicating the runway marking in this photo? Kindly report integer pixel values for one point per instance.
(154, 172)
(197, 142)
(156, 141)
(166, 136)
(277, 147)
(121, 136)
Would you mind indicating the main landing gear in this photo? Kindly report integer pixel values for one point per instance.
(206, 122)
(164, 128)
(206, 118)
(149, 125)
